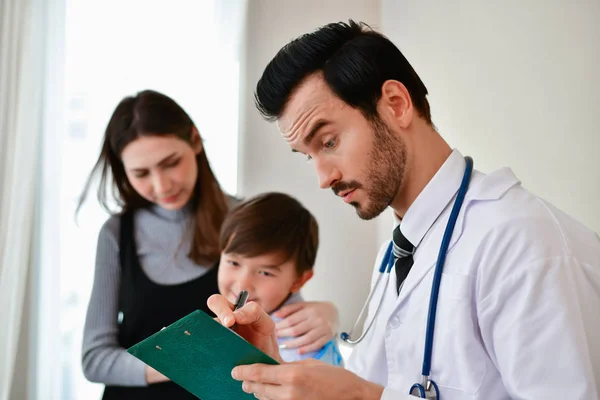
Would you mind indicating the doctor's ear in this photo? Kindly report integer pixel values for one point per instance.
(196, 141)
(395, 103)
(301, 280)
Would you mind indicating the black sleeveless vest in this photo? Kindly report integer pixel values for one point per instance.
(146, 307)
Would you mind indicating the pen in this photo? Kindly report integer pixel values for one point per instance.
(240, 302)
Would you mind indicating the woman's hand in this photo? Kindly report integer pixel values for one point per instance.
(312, 324)
(153, 376)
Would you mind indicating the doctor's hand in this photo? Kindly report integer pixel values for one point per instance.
(312, 324)
(252, 323)
(306, 379)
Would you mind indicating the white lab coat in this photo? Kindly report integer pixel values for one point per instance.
(518, 314)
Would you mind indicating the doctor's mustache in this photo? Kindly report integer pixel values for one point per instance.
(345, 186)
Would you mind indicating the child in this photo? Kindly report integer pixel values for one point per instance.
(268, 247)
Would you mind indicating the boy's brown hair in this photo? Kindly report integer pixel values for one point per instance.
(272, 222)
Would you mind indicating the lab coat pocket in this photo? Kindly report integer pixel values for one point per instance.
(458, 356)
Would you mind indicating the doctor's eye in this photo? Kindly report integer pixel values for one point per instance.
(233, 263)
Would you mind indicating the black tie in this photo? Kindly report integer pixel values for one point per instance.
(403, 254)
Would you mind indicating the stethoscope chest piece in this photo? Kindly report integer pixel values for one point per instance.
(427, 390)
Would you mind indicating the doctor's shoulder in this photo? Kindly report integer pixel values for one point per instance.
(519, 230)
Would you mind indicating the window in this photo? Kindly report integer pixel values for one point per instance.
(183, 48)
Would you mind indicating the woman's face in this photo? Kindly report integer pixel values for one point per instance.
(163, 169)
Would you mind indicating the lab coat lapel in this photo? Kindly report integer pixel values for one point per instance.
(487, 187)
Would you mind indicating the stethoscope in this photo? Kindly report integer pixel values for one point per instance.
(428, 389)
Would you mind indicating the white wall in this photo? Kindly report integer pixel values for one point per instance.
(348, 244)
(513, 83)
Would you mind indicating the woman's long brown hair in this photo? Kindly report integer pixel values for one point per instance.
(150, 113)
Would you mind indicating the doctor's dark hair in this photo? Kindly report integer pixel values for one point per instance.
(355, 62)
(272, 222)
(150, 113)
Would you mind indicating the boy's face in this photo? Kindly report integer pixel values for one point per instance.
(267, 278)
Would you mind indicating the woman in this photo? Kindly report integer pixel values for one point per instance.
(157, 259)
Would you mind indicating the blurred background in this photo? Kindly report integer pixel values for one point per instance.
(511, 83)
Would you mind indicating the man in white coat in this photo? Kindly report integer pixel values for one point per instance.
(518, 315)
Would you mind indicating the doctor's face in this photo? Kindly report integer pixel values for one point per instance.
(361, 160)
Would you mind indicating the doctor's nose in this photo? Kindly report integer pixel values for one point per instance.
(327, 174)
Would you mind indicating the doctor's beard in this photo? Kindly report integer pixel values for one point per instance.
(384, 173)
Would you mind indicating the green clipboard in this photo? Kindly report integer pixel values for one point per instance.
(198, 354)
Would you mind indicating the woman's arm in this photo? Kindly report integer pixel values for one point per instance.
(103, 360)
(312, 324)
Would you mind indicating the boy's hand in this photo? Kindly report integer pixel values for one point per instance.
(252, 323)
